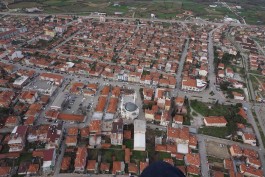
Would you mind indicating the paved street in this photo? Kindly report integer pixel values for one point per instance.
(181, 64)
(59, 159)
(211, 69)
(203, 156)
(65, 41)
(252, 96)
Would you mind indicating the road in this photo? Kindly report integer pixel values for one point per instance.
(252, 94)
(198, 21)
(181, 64)
(245, 62)
(59, 159)
(211, 67)
(203, 156)
(65, 41)
(258, 45)
(251, 120)
(225, 4)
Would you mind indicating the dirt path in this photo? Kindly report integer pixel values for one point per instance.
(197, 118)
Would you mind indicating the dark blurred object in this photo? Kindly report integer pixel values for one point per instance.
(161, 169)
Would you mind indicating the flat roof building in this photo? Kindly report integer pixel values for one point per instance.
(59, 101)
(21, 81)
(139, 135)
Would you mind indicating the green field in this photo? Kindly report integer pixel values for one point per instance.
(219, 132)
(252, 11)
(256, 80)
(228, 111)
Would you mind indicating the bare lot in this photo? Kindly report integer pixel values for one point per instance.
(217, 150)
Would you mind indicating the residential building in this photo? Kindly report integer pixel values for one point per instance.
(117, 132)
(178, 135)
(28, 96)
(57, 79)
(192, 159)
(250, 171)
(49, 157)
(254, 162)
(249, 138)
(92, 166)
(215, 121)
(80, 160)
(190, 84)
(118, 167)
(229, 73)
(235, 151)
(17, 138)
(238, 96)
(54, 136)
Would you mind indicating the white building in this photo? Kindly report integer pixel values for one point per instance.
(129, 109)
(249, 138)
(17, 139)
(59, 101)
(238, 96)
(21, 81)
(139, 135)
(16, 54)
(183, 148)
(60, 29)
(196, 85)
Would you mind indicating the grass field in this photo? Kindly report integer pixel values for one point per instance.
(219, 132)
(256, 80)
(128, 143)
(138, 156)
(109, 155)
(208, 110)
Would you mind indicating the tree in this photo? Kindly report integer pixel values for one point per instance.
(224, 85)
(238, 55)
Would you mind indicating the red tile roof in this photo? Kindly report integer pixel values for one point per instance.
(104, 166)
(65, 163)
(143, 165)
(84, 132)
(71, 117)
(193, 159)
(218, 174)
(95, 126)
(5, 171)
(127, 155)
(132, 168)
(215, 120)
(193, 170)
(33, 168)
(91, 165)
(81, 155)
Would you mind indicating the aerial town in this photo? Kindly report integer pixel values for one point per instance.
(110, 96)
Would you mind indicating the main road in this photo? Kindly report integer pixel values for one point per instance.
(181, 63)
(194, 20)
(211, 67)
